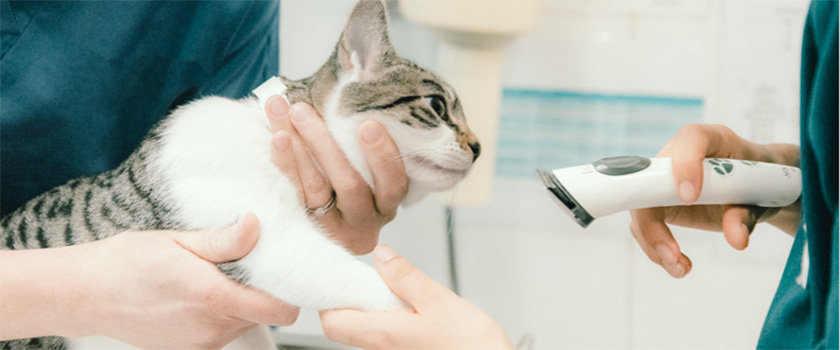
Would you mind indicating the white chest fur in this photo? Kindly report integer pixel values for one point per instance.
(216, 166)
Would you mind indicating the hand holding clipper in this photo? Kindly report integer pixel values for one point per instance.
(615, 184)
(693, 155)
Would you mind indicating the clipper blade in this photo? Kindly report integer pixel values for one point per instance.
(564, 199)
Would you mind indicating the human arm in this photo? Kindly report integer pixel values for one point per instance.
(304, 150)
(441, 319)
(687, 150)
(152, 289)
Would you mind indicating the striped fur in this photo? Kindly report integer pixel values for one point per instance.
(223, 145)
(54, 343)
(92, 208)
(88, 209)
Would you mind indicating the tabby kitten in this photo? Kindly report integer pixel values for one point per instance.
(207, 164)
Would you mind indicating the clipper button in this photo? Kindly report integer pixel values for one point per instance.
(624, 165)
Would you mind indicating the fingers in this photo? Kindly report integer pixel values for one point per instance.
(259, 307)
(228, 244)
(656, 240)
(688, 150)
(408, 282)
(353, 193)
(283, 157)
(345, 326)
(237, 300)
(295, 160)
(277, 110)
(738, 223)
(389, 177)
(366, 329)
(316, 187)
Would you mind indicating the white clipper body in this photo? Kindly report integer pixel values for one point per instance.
(271, 87)
(615, 184)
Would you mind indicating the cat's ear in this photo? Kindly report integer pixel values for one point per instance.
(364, 47)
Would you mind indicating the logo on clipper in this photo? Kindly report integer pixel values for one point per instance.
(722, 167)
(788, 171)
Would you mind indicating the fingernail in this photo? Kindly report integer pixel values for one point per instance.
(677, 271)
(282, 141)
(371, 132)
(687, 192)
(666, 255)
(299, 112)
(277, 106)
(384, 253)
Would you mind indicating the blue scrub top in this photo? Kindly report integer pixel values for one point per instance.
(804, 313)
(84, 81)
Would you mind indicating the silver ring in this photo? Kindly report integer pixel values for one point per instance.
(322, 210)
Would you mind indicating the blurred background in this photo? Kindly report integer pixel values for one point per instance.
(586, 80)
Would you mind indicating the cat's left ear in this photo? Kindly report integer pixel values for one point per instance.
(364, 47)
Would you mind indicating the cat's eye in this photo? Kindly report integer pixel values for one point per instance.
(438, 105)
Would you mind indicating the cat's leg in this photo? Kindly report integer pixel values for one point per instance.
(296, 262)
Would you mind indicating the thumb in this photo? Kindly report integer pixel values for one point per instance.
(688, 150)
(408, 282)
(228, 244)
(688, 176)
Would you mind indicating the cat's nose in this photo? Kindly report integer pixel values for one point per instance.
(476, 149)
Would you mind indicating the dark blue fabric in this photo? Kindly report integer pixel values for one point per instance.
(83, 82)
(807, 317)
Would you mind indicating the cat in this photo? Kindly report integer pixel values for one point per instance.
(207, 164)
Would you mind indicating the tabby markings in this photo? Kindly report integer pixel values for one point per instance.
(10, 242)
(42, 239)
(68, 234)
(22, 230)
(86, 214)
(143, 194)
(434, 85)
(399, 101)
(428, 118)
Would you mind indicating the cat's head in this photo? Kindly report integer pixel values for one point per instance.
(365, 79)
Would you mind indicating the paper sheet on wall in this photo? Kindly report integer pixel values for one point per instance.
(553, 129)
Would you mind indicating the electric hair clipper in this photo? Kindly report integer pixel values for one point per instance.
(615, 184)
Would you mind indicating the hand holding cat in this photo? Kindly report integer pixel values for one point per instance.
(303, 145)
(687, 150)
(441, 320)
(152, 289)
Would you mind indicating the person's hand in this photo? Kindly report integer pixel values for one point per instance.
(687, 150)
(151, 289)
(304, 150)
(163, 289)
(441, 320)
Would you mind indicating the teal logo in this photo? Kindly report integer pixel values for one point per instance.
(722, 167)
